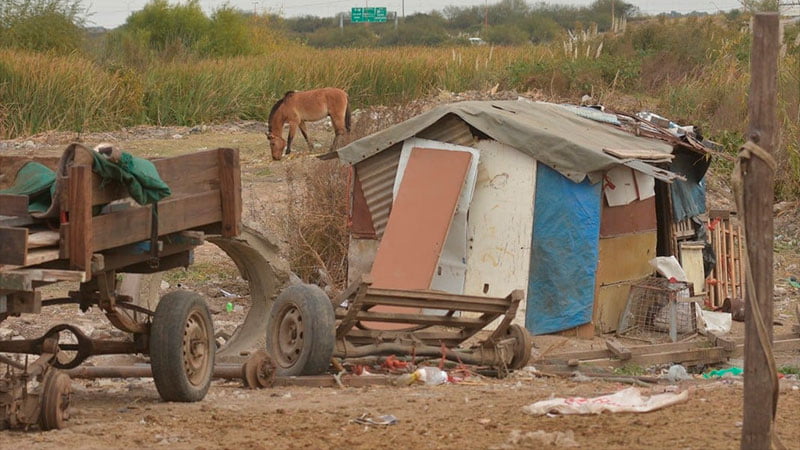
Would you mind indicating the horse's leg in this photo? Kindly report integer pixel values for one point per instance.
(338, 129)
(302, 127)
(292, 132)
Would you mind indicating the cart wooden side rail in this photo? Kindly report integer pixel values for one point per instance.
(439, 323)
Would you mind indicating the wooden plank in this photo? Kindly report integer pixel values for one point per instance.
(637, 216)
(14, 205)
(646, 155)
(13, 245)
(80, 217)
(41, 255)
(191, 173)
(133, 225)
(638, 249)
(230, 188)
(50, 275)
(618, 350)
(376, 293)
(15, 281)
(43, 239)
(11, 221)
(420, 319)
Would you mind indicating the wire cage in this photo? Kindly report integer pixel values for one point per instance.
(659, 310)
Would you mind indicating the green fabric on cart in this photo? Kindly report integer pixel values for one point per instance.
(36, 181)
(138, 175)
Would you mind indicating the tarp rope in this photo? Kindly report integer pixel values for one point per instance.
(752, 150)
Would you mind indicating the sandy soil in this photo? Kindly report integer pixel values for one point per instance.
(482, 413)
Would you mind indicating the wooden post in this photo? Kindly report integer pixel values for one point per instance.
(230, 186)
(80, 218)
(758, 181)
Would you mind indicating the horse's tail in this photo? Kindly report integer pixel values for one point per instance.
(347, 120)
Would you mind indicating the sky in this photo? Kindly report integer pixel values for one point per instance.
(112, 13)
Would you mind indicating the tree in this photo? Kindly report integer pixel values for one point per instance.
(760, 5)
(42, 24)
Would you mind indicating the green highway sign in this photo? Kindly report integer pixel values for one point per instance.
(361, 15)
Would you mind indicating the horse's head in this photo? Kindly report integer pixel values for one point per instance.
(276, 146)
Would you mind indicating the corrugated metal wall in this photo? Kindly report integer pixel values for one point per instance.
(377, 173)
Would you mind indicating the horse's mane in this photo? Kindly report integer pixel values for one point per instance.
(275, 108)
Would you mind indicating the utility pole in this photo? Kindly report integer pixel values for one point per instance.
(757, 193)
(403, 9)
(485, 18)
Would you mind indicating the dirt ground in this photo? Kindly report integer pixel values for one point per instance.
(479, 413)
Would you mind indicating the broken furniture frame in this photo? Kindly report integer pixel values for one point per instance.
(431, 333)
(92, 249)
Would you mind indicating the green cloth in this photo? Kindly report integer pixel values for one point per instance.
(138, 175)
(36, 181)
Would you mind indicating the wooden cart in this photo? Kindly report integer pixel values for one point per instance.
(81, 245)
(306, 328)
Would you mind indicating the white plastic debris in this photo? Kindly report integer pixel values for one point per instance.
(626, 400)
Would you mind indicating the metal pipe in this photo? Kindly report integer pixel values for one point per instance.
(479, 356)
(225, 371)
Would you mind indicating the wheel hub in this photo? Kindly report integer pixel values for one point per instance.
(290, 336)
(195, 348)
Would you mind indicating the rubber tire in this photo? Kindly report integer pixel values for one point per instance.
(319, 334)
(166, 347)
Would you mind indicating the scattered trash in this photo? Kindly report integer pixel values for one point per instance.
(384, 420)
(227, 294)
(431, 376)
(229, 307)
(716, 322)
(392, 363)
(538, 438)
(677, 373)
(793, 282)
(626, 400)
(724, 373)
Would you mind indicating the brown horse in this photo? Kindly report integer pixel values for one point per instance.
(296, 108)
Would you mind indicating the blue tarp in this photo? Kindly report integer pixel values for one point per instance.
(689, 197)
(564, 253)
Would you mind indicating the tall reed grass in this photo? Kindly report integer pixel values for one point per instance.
(41, 92)
(693, 71)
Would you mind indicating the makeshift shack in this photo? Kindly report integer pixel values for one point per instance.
(484, 197)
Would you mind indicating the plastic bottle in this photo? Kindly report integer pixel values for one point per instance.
(431, 376)
(229, 307)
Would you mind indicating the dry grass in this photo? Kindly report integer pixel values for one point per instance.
(317, 222)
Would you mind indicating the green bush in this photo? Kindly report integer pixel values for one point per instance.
(42, 25)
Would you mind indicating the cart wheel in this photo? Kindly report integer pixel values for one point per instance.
(300, 331)
(182, 347)
(522, 347)
(56, 393)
